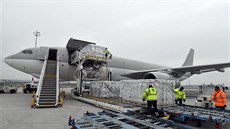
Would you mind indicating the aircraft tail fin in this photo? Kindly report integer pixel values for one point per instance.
(189, 59)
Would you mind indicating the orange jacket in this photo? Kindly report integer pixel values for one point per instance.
(220, 98)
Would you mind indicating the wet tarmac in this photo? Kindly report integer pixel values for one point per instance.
(16, 113)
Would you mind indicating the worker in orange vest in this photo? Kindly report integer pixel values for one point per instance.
(220, 97)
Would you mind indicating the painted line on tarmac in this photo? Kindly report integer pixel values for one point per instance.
(77, 107)
(13, 108)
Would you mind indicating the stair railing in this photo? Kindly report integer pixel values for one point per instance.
(42, 75)
(57, 82)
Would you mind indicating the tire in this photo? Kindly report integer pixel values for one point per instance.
(25, 91)
(12, 91)
(1, 91)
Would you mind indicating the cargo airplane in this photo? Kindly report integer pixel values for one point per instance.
(31, 61)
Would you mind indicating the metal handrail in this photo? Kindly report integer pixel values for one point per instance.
(41, 81)
(57, 82)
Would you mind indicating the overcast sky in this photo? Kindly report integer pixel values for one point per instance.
(155, 31)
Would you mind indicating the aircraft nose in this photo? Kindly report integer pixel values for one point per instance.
(9, 60)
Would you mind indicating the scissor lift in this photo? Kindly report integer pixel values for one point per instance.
(91, 62)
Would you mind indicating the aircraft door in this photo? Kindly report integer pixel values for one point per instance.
(52, 54)
(43, 52)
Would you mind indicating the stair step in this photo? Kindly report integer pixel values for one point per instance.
(50, 81)
(53, 80)
(47, 94)
(41, 101)
(46, 106)
(49, 84)
(47, 100)
(50, 74)
(51, 104)
(48, 88)
(47, 97)
(49, 78)
(48, 91)
(47, 103)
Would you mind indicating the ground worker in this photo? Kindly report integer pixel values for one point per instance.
(151, 95)
(220, 97)
(106, 51)
(180, 95)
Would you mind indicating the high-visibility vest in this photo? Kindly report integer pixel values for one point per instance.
(220, 98)
(150, 94)
(106, 51)
(180, 94)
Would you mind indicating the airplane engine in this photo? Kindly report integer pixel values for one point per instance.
(165, 76)
(157, 75)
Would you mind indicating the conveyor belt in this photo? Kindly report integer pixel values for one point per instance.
(114, 120)
(133, 118)
(183, 113)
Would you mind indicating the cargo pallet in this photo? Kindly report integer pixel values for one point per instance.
(115, 120)
(185, 113)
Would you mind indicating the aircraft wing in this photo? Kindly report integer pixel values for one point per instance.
(178, 72)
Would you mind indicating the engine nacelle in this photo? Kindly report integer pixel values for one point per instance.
(157, 75)
(164, 76)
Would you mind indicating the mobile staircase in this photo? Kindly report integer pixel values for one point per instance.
(90, 61)
(47, 94)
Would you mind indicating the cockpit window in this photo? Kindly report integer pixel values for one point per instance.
(27, 52)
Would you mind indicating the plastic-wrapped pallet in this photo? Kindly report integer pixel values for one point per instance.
(105, 89)
(93, 50)
(132, 90)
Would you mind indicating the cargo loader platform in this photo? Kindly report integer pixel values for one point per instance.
(200, 115)
(115, 120)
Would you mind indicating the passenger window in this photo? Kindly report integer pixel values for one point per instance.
(24, 51)
(27, 52)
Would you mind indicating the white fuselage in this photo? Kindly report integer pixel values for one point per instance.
(28, 62)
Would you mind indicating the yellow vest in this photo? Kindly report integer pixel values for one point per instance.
(180, 94)
(106, 51)
(150, 94)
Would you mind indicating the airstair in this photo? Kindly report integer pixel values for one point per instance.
(91, 62)
(47, 94)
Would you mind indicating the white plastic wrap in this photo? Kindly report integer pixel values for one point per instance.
(132, 90)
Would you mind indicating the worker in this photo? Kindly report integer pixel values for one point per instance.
(180, 95)
(106, 51)
(151, 95)
(220, 97)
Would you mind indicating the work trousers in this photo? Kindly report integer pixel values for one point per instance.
(150, 104)
(106, 55)
(220, 107)
(178, 100)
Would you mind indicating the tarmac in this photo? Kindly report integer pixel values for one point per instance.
(16, 113)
